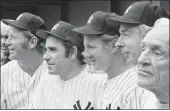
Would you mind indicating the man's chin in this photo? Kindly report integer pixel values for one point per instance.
(144, 84)
(52, 72)
(6, 52)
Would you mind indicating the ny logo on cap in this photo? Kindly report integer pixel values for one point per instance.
(128, 9)
(19, 16)
(55, 27)
(90, 19)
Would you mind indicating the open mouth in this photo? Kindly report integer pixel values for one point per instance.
(4, 48)
(89, 62)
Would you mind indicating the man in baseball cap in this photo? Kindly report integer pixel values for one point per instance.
(69, 85)
(133, 26)
(20, 76)
(99, 41)
(134, 23)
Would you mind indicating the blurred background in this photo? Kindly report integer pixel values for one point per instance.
(72, 11)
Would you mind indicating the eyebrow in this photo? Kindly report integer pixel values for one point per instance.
(50, 47)
(125, 30)
(156, 46)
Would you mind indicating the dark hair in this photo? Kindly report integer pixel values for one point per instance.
(80, 48)
(40, 43)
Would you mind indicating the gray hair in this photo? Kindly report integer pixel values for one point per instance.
(143, 29)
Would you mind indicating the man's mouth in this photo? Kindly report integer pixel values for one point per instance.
(11, 50)
(144, 73)
(4, 48)
(89, 61)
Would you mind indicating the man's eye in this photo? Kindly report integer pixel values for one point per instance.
(91, 47)
(143, 48)
(6, 37)
(52, 49)
(156, 52)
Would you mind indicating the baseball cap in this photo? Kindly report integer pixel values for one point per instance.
(63, 30)
(96, 24)
(143, 12)
(26, 21)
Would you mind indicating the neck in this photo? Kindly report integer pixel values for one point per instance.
(31, 63)
(118, 66)
(71, 71)
(162, 94)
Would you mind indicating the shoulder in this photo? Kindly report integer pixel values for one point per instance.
(9, 66)
(136, 98)
(94, 76)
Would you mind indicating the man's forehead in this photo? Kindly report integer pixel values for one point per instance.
(126, 27)
(14, 30)
(158, 34)
(92, 38)
(51, 39)
(4, 28)
(156, 40)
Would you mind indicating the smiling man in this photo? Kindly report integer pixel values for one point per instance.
(4, 49)
(69, 85)
(153, 64)
(20, 76)
(100, 50)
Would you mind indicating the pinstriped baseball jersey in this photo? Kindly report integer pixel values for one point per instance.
(80, 92)
(114, 88)
(17, 86)
(133, 96)
(120, 87)
(137, 98)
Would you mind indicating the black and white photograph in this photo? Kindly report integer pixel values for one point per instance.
(84, 54)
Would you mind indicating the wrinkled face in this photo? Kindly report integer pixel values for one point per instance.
(129, 43)
(55, 55)
(4, 35)
(100, 55)
(17, 44)
(153, 64)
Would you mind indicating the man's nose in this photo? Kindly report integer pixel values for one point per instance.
(120, 43)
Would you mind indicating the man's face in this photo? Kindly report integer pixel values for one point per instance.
(4, 35)
(129, 43)
(17, 44)
(153, 64)
(55, 55)
(97, 53)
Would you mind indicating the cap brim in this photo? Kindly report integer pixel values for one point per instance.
(86, 30)
(41, 33)
(55, 35)
(122, 19)
(13, 23)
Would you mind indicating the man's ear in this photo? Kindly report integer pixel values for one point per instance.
(33, 42)
(114, 48)
(114, 40)
(73, 52)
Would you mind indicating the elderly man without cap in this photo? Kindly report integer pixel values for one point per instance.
(133, 26)
(4, 48)
(153, 64)
(20, 76)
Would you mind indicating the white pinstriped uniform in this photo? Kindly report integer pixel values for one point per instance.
(80, 91)
(118, 90)
(17, 86)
